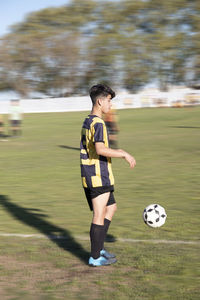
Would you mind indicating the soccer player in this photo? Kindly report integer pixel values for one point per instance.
(96, 172)
(112, 127)
(15, 117)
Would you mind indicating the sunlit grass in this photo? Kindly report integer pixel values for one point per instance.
(40, 178)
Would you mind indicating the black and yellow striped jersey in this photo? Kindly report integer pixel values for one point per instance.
(96, 170)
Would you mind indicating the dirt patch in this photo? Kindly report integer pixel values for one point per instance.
(36, 277)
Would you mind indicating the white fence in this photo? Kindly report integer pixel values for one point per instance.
(67, 104)
(122, 101)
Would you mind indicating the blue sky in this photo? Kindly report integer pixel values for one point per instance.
(14, 11)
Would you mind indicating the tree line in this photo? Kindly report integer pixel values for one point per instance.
(127, 44)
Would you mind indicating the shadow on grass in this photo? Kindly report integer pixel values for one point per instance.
(35, 219)
(110, 238)
(186, 127)
(69, 147)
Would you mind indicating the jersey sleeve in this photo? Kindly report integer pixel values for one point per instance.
(99, 133)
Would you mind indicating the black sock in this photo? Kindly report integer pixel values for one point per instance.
(106, 226)
(97, 233)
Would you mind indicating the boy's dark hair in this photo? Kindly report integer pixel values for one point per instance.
(100, 90)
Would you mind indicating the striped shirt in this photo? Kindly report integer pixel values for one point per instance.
(96, 170)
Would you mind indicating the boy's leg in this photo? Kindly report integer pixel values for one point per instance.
(97, 231)
(109, 213)
(110, 210)
(99, 208)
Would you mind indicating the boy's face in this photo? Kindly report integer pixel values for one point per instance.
(106, 104)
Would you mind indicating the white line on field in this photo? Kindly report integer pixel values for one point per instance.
(84, 238)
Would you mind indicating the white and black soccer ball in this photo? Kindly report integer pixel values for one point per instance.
(154, 215)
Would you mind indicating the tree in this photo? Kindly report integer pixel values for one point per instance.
(124, 43)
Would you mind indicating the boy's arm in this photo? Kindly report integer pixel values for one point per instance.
(101, 149)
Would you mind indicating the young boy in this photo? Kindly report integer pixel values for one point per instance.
(96, 172)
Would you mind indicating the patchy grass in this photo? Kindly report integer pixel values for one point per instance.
(41, 193)
(37, 268)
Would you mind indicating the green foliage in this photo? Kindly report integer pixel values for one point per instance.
(126, 43)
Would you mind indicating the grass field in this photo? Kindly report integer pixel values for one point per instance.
(41, 194)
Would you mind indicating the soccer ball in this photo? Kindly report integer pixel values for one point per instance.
(154, 215)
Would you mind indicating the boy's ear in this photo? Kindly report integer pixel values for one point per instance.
(99, 101)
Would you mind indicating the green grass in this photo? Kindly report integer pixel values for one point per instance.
(41, 193)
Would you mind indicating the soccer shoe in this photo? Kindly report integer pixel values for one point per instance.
(106, 254)
(101, 261)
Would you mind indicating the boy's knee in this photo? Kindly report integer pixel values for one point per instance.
(99, 220)
(98, 217)
(113, 208)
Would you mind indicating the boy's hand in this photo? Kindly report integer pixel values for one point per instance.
(108, 152)
(129, 158)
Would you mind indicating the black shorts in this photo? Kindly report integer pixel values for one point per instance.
(15, 122)
(92, 193)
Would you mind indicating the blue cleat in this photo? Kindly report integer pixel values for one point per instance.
(106, 254)
(101, 261)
